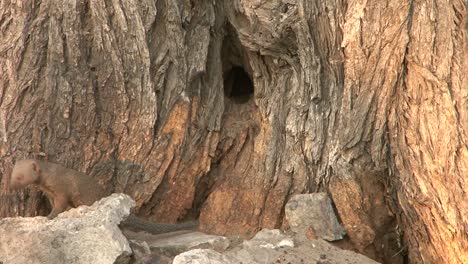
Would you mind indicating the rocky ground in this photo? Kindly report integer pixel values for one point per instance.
(268, 246)
(92, 235)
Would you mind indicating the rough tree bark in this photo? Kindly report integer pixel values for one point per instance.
(224, 109)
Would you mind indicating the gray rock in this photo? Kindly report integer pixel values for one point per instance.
(267, 238)
(204, 256)
(142, 254)
(272, 246)
(81, 235)
(260, 249)
(312, 215)
(140, 250)
(173, 243)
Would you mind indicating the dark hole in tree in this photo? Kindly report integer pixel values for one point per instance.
(238, 85)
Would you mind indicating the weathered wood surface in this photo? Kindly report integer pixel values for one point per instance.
(364, 99)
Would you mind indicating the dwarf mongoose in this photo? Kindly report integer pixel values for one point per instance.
(64, 187)
(67, 188)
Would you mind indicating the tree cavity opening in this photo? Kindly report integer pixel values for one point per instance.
(237, 85)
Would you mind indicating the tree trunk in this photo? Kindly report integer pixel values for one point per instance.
(222, 110)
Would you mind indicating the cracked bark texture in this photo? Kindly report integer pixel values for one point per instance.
(222, 110)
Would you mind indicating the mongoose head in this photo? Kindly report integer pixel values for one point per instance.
(24, 173)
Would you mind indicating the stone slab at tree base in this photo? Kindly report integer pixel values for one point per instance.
(142, 254)
(271, 246)
(312, 215)
(173, 243)
(82, 235)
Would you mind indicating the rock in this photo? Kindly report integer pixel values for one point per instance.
(154, 258)
(81, 235)
(142, 254)
(141, 251)
(267, 238)
(173, 243)
(272, 246)
(264, 247)
(203, 256)
(312, 215)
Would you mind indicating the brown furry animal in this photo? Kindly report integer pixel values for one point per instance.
(64, 187)
(67, 188)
